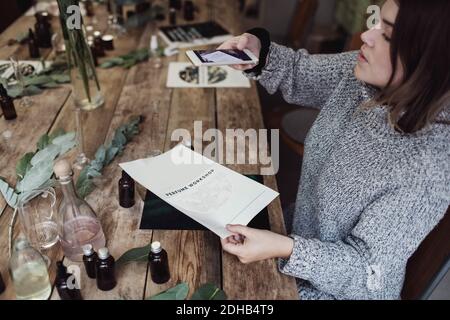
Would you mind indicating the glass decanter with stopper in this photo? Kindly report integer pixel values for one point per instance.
(78, 225)
(29, 272)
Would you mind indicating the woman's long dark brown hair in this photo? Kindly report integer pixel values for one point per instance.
(421, 40)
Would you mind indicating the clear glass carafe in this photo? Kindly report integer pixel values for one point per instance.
(29, 272)
(78, 224)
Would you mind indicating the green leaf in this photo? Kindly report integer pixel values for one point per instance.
(179, 292)
(65, 142)
(134, 255)
(100, 155)
(43, 142)
(57, 133)
(32, 91)
(36, 177)
(84, 188)
(50, 85)
(37, 80)
(24, 165)
(111, 153)
(60, 78)
(119, 140)
(48, 154)
(11, 197)
(15, 91)
(209, 292)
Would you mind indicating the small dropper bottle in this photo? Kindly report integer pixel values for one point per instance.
(159, 264)
(90, 258)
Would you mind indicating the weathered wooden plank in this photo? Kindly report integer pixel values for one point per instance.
(240, 109)
(121, 226)
(194, 256)
(96, 126)
(39, 118)
(261, 280)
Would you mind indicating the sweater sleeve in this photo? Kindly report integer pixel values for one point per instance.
(304, 79)
(361, 265)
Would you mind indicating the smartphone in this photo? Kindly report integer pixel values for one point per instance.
(221, 57)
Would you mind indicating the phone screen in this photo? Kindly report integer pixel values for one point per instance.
(222, 56)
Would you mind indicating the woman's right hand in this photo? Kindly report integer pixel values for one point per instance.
(246, 41)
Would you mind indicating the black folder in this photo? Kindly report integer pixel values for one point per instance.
(159, 215)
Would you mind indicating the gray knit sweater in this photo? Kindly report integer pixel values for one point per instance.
(368, 195)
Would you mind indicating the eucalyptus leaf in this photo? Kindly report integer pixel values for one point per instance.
(36, 177)
(178, 292)
(31, 91)
(43, 142)
(57, 133)
(134, 255)
(50, 85)
(60, 78)
(11, 197)
(111, 153)
(209, 292)
(66, 141)
(48, 154)
(100, 155)
(14, 91)
(84, 188)
(24, 165)
(37, 80)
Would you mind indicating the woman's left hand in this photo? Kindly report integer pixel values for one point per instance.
(251, 245)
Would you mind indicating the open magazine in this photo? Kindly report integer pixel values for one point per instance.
(204, 190)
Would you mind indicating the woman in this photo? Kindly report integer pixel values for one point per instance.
(375, 178)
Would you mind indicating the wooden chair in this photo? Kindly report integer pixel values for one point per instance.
(301, 22)
(429, 264)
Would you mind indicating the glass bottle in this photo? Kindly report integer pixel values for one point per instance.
(126, 191)
(155, 59)
(43, 30)
(78, 225)
(106, 270)
(29, 272)
(7, 104)
(66, 291)
(189, 10)
(33, 47)
(90, 258)
(159, 264)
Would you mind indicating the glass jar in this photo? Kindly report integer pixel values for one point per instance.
(29, 272)
(37, 215)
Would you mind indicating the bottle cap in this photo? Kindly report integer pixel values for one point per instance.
(103, 253)
(62, 169)
(88, 250)
(154, 43)
(97, 34)
(156, 247)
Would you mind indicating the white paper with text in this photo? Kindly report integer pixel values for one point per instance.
(204, 190)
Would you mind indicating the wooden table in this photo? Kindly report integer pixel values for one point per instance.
(195, 257)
